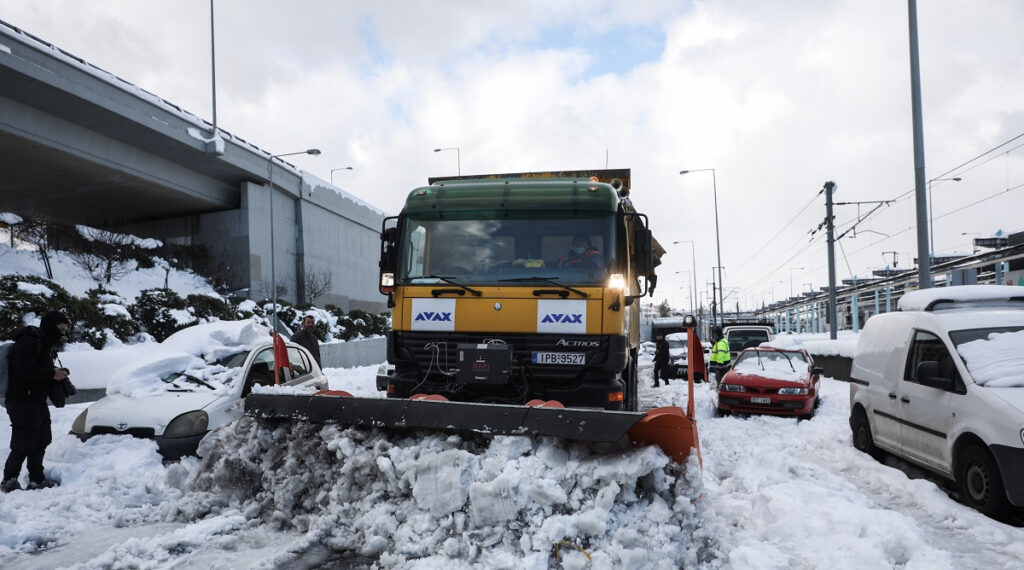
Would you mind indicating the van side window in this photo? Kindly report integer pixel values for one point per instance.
(926, 346)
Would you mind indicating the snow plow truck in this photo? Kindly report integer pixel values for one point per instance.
(514, 300)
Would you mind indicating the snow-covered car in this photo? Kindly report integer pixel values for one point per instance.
(679, 358)
(768, 380)
(193, 382)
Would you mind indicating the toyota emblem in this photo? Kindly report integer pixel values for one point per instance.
(121, 426)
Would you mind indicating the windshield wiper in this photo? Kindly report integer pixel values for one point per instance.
(790, 361)
(195, 380)
(549, 281)
(449, 281)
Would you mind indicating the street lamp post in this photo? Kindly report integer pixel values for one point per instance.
(270, 177)
(458, 157)
(718, 241)
(931, 211)
(791, 270)
(693, 258)
(333, 170)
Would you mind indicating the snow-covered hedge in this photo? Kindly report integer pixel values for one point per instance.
(104, 318)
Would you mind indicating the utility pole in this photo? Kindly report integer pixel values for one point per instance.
(924, 262)
(830, 188)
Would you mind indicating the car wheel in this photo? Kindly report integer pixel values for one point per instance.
(862, 439)
(979, 482)
(723, 413)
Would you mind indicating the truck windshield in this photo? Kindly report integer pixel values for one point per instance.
(994, 356)
(489, 247)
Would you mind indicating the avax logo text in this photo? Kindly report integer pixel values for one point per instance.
(433, 316)
(563, 318)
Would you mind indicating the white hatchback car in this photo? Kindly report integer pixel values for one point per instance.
(182, 397)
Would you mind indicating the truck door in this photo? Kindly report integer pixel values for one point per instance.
(925, 410)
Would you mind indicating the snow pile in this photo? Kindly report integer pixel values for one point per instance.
(93, 234)
(771, 364)
(194, 352)
(438, 500)
(35, 289)
(996, 361)
(10, 218)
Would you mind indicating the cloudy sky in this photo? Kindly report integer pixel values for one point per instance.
(777, 97)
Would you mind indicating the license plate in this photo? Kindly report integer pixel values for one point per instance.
(760, 400)
(567, 358)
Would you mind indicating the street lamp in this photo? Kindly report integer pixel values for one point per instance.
(791, 270)
(718, 241)
(693, 258)
(931, 218)
(458, 156)
(270, 177)
(333, 170)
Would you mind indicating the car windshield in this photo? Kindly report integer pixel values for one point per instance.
(779, 364)
(487, 247)
(219, 373)
(994, 356)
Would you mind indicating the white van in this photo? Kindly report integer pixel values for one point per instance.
(746, 336)
(940, 383)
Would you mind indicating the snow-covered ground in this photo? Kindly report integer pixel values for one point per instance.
(773, 493)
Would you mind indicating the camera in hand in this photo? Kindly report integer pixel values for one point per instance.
(66, 386)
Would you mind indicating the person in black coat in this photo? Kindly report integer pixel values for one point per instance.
(660, 360)
(307, 339)
(32, 379)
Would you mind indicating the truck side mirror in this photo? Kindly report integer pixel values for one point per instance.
(388, 259)
(930, 374)
(644, 257)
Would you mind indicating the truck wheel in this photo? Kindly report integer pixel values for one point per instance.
(979, 482)
(862, 439)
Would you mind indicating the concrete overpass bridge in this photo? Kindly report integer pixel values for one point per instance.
(81, 145)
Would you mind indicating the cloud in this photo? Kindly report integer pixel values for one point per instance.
(778, 98)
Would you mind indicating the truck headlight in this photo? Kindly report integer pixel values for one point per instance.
(188, 424)
(792, 391)
(78, 426)
(733, 388)
(616, 281)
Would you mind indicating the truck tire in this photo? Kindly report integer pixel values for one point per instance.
(862, 439)
(980, 483)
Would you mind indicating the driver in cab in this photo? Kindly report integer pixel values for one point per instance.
(582, 254)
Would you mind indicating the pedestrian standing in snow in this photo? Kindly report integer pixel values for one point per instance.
(719, 355)
(660, 360)
(32, 379)
(307, 339)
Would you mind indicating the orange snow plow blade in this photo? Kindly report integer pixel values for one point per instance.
(670, 428)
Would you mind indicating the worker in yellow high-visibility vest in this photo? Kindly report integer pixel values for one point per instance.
(719, 355)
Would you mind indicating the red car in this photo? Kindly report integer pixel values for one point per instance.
(770, 381)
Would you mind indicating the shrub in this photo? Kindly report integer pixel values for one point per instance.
(102, 315)
(205, 307)
(37, 296)
(162, 312)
